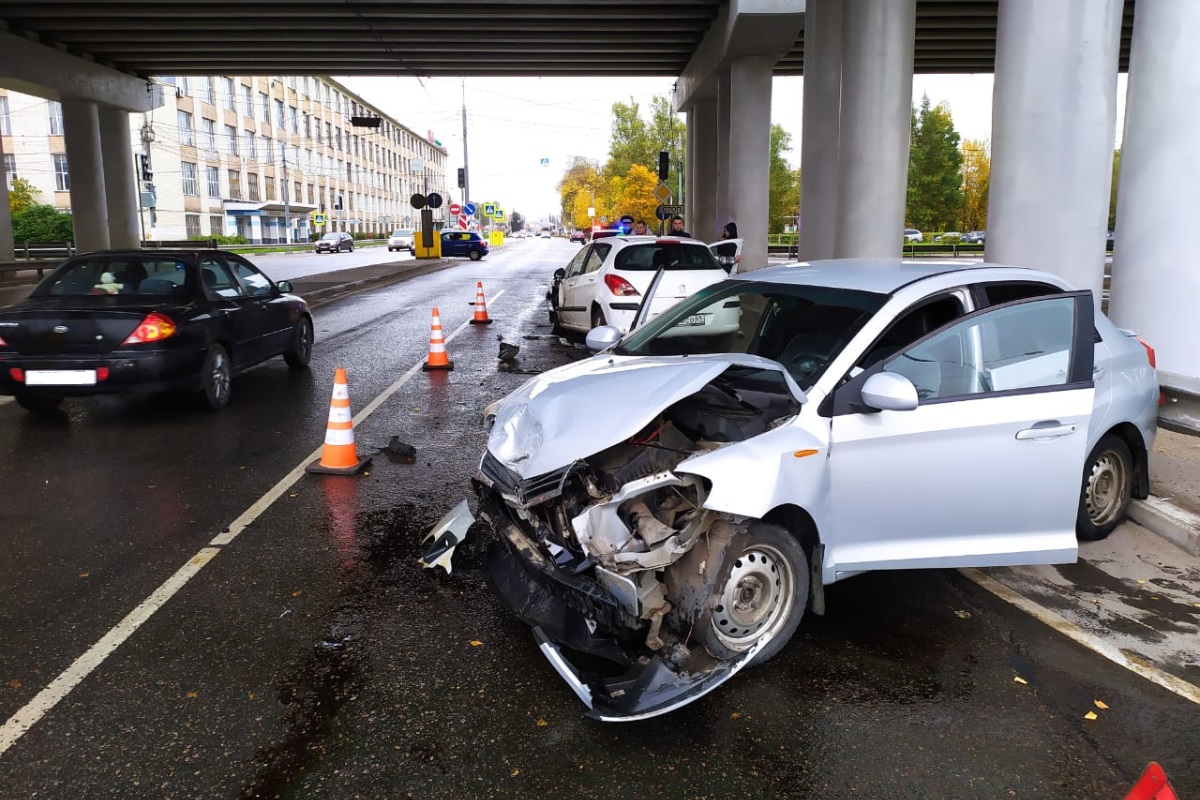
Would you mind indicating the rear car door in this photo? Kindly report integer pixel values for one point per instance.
(277, 315)
(985, 470)
(241, 316)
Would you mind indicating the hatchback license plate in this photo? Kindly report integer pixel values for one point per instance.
(60, 377)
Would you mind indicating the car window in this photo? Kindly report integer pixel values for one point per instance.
(122, 276)
(402, 233)
(595, 258)
(1026, 346)
(671, 256)
(257, 284)
(910, 326)
(218, 280)
(575, 265)
(997, 294)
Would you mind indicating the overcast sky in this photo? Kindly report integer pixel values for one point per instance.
(515, 123)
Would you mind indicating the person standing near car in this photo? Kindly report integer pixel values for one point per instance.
(730, 232)
(639, 228)
(625, 224)
(677, 227)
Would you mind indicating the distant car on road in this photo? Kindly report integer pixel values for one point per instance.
(974, 237)
(545, 234)
(579, 236)
(125, 322)
(401, 239)
(335, 243)
(912, 235)
(464, 243)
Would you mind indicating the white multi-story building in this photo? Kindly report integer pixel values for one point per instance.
(247, 156)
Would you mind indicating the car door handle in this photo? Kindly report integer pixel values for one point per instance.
(1046, 431)
(1097, 371)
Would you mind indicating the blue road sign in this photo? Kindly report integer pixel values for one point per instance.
(469, 209)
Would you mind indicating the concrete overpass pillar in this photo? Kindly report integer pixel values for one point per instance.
(877, 70)
(81, 126)
(702, 171)
(1155, 284)
(750, 156)
(1053, 128)
(120, 180)
(7, 249)
(723, 111)
(822, 128)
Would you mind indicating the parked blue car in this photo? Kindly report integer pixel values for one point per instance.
(464, 243)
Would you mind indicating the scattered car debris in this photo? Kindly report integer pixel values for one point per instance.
(400, 451)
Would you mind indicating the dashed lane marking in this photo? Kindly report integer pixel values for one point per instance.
(33, 711)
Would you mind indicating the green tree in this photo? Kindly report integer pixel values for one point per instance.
(784, 196)
(668, 132)
(581, 186)
(1112, 194)
(631, 141)
(22, 195)
(934, 179)
(517, 221)
(976, 181)
(42, 223)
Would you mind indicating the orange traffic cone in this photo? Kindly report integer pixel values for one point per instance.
(339, 456)
(481, 315)
(437, 347)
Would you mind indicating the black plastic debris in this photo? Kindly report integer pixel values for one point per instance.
(397, 450)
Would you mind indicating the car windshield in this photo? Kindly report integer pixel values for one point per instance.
(670, 255)
(802, 327)
(125, 276)
(402, 233)
(331, 237)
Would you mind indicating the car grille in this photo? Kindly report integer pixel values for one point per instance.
(528, 492)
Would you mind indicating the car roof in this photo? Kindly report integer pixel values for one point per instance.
(880, 275)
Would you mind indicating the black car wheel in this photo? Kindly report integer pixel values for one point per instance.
(1107, 488)
(350, 248)
(39, 403)
(598, 317)
(475, 255)
(302, 343)
(763, 591)
(216, 378)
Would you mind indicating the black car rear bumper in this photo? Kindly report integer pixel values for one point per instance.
(176, 369)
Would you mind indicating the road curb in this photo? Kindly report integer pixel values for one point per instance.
(1160, 516)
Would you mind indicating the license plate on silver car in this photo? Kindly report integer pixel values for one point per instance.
(694, 319)
(60, 377)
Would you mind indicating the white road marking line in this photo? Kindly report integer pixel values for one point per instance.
(29, 714)
(1129, 661)
(5, 400)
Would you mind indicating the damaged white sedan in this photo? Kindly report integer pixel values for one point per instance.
(666, 511)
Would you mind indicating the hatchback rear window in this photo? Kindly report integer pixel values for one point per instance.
(672, 255)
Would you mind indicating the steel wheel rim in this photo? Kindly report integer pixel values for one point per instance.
(757, 598)
(219, 377)
(1105, 492)
(306, 340)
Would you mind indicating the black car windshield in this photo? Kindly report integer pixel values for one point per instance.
(802, 327)
(670, 255)
(125, 276)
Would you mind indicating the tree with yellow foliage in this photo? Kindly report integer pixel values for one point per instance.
(636, 196)
(582, 187)
(976, 177)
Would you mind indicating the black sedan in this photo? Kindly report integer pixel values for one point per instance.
(117, 322)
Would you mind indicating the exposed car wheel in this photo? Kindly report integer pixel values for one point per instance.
(764, 593)
(475, 255)
(350, 249)
(1107, 488)
(39, 403)
(300, 352)
(598, 317)
(216, 378)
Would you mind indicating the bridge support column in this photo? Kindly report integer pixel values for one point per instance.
(723, 111)
(89, 208)
(1053, 128)
(750, 156)
(7, 250)
(822, 128)
(1155, 283)
(877, 69)
(120, 180)
(702, 171)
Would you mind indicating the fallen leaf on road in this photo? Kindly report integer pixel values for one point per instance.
(541, 723)
(193, 695)
(1100, 704)
(297, 593)
(1020, 680)
(735, 715)
(1090, 715)
(476, 643)
(84, 574)
(516, 772)
(1141, 580)
(962, 614)
(14, 684)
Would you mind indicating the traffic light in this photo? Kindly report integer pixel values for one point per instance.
(664, 164)
(144, 167)
(462, 177)
(337, 203)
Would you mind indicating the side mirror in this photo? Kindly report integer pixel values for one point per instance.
(605, 337)
(559, 274)
(889, 391)
(285, 286)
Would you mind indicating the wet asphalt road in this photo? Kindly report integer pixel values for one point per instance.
(312, 657)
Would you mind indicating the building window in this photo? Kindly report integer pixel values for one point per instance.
(232, 138)
(192, 223)
(298, 188)
(268, 154)
(216, 225)
(187, 172)
(312, 197)
(214, 181)
(62, 176)
(205, 92)
(278, 113)
(252, 186)
(249, 141)
(5, 122)
(10, 167)
(227, 97)
(235, 184)
(248, 100)
(264, 107)
(208, 134)
(56, 121)
(270, 188)
(293, 120)
(186, 135)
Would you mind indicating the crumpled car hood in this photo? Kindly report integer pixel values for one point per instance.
(580, 409)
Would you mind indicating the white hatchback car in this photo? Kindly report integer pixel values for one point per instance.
(606, 281)
(401, 239)
(672, 506)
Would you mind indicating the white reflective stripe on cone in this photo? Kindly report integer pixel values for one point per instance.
(341, 391)
(437, 347)
(335, 436)
(339, 414)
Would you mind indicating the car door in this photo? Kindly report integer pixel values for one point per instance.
(239, 316)
(985, 470)
(276, 319)
(584, 289)
(726, 252)
(451, 244)
(569, 314)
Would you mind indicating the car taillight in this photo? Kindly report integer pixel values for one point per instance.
(154, 328)
(619, 286)
(17, 374)
(2, 342)
(1162, 398)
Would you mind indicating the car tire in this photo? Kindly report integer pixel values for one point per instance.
(763, 590)
(350, 249)
(299, 353)
(216, 378)
(1107, 488)
(598, 319)
(475, 255)
(39, 403)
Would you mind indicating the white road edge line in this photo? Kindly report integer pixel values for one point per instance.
(29, 714)
(1129, 661)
